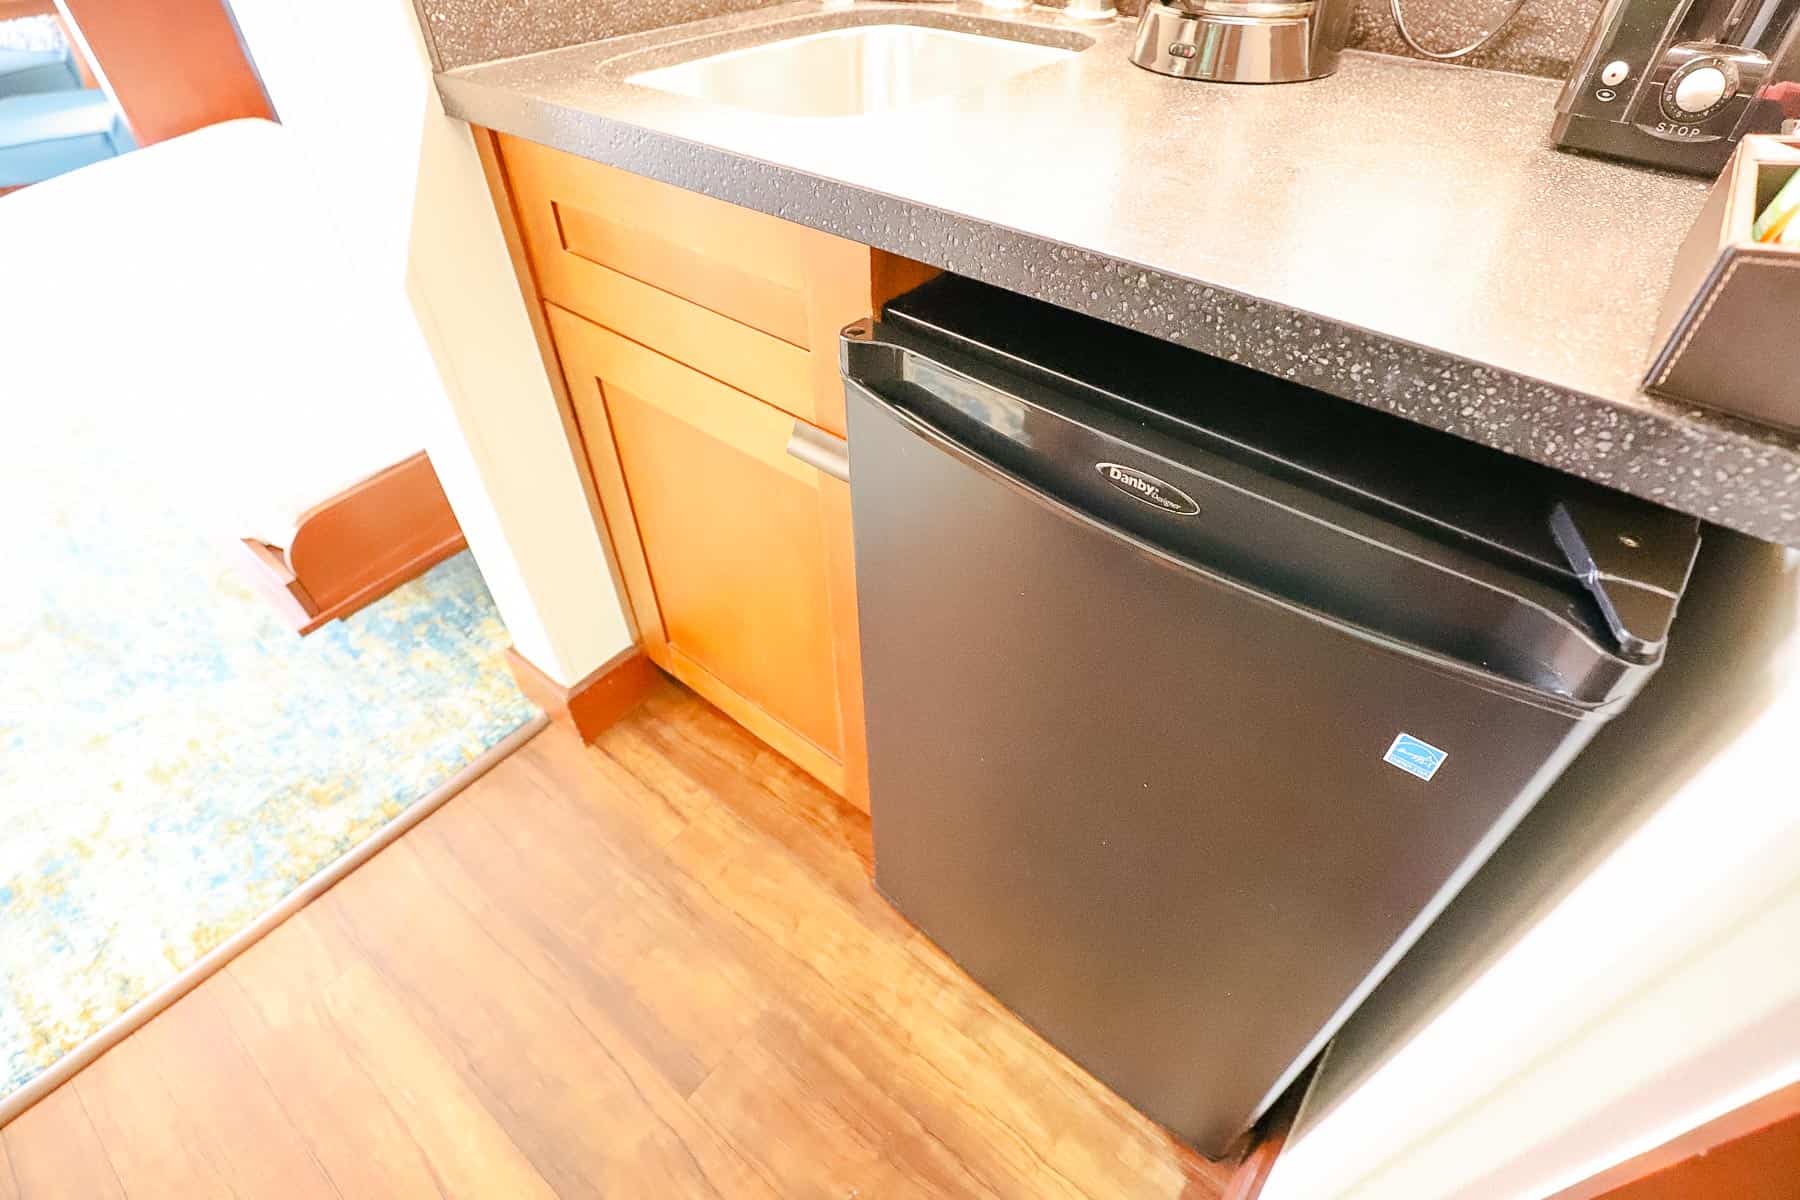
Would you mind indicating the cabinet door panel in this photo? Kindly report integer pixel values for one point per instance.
(737, 556)
(720, 530)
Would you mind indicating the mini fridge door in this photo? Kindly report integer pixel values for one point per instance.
(1179, 823)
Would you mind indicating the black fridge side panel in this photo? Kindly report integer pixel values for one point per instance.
(1146, 809)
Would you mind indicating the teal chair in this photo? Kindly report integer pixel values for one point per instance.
(24, 72)
(48, 133)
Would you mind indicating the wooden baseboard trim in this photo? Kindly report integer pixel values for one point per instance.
(139, 1014)
(1266, 1144)
(596, 702)
(1749, 1153)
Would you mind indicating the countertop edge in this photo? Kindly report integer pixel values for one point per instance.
(1670, 454)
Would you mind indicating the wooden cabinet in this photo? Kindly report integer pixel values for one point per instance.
(694, 338)
(720, 535)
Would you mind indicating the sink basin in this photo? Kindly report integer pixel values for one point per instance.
(851, 72)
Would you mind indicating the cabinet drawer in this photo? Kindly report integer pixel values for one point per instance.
(741, 296)
(721, 535)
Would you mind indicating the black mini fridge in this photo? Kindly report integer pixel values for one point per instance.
(1193, 695)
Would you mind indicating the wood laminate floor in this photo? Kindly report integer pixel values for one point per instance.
(654, 967)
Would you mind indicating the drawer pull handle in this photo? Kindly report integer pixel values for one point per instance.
(816, 448)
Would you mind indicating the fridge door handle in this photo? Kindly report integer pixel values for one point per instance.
(1637, 590)
(816, 448)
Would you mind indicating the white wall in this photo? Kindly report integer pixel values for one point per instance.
(1626, 968)
(353, 78)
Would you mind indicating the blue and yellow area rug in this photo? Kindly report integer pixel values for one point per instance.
(174, 760)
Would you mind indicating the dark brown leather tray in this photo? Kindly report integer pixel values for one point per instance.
(1729, 336)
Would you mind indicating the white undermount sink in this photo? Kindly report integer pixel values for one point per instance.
(850, 72)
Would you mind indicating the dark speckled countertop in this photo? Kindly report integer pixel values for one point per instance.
(1401, 234)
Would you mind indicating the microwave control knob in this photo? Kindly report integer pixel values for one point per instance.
(1700, 89)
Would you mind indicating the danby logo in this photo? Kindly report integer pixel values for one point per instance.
(1148, 488)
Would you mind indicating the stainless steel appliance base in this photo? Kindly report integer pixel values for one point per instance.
(1226, 49)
